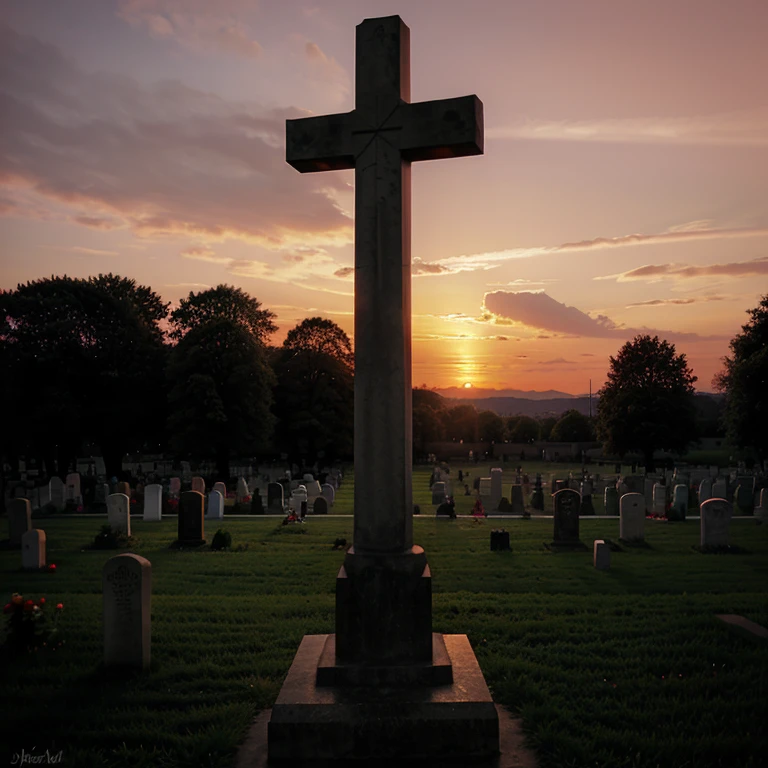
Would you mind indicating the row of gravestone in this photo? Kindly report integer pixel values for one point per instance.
(715, 514)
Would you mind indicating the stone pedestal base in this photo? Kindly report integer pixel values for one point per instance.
(358, 723)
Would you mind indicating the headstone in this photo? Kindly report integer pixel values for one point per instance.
(566, 505)
(601, 555)
(720, 489)
(500, 541)
(242, 490)
(496, 492)
(485, 488)
(308, 477)
(186, 472)
(611, 501)
(313, 489)
(586, 507)
(124, 488)
(714, 471)
(537, 497)
(320, 507)
(118, 513)
(516, 499)
(679, 502)
(101, 493)
(33, 550)
(56, 487)
(19, 513)
(175, 486)
(191, 526)
(298, 496)
(383, 596)
(761, 511)
(705, 490)
(715, 519)
(275, 501)
(215, 505)
(328, 493)
(744, 499)
(198, 484)
(127, 590)
(72, 492)
(632, 517)
(648, 484)
(438, 493)
(221, 488)
(153, 503)
(659, 500)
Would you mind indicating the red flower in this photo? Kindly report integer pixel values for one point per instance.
(8, 608)
(59, 606)
(52, 568)
(133, 501)
(41, 601)
(80, 508)
(29, 605)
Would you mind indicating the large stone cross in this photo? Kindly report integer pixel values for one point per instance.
(383, 593)
(379, 139)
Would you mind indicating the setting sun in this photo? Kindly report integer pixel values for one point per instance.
(468, 385)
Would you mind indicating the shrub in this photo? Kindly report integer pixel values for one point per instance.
(221, 540)
(28, 626)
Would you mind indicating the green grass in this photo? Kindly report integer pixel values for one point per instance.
(620, 669)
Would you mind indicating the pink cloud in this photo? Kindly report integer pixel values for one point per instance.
(539, 311)
(653, 272)
(168, 160)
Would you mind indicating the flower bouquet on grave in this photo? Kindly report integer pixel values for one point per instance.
(29, 627)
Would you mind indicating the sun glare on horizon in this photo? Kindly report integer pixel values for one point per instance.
(467, 385)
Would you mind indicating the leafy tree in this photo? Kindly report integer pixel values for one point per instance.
(428, 418)
(522, 429)
(222, 302)
(147, 304)
(490, 427)
(461, 423)
(320, 336)
(648, 402)
(572, 427)
(314, 398)
(220, 393)
(546, 425)
(744, 380)
(87, 366)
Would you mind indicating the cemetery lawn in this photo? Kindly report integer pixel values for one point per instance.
(620, 669)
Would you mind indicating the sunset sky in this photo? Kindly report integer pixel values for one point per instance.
(623, 189)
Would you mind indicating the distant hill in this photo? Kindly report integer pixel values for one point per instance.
(708, 405)
(475, 393)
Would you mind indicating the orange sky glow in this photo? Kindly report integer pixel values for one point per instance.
(623, 189)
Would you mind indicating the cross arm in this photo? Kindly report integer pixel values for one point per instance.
(320, 143)
(443, 128)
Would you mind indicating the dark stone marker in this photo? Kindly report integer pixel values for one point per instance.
(19, 520)
(191, 513)
(275, 498)
(320, 506)
(566, 504)
(500, 541)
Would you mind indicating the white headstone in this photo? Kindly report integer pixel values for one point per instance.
(33, 550)
(215, 506)
(118, 513)
(313, 489)
(632, 517)
(601, 555)
(329, 493)
(496, 492)
(72, 492)
(680, 501)
(57, 488)
(127, 596)
(659, 500)
(242, 490)
(438, 493)
(153, 502)
(715, 519)
(705, 490)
